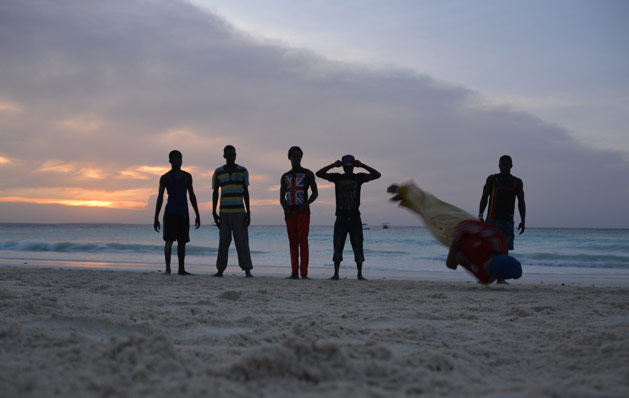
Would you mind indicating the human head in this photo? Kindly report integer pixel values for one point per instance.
(505, 164)
(175, 158)
(229, 153)
(348, 163)
(503, 266)
(294, 155)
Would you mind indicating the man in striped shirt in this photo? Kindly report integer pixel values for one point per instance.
(235, 214)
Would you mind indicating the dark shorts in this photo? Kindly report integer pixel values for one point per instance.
(353, 226)
(176, 228)
(506, 226)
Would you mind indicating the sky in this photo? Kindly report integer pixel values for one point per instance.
(93, 96)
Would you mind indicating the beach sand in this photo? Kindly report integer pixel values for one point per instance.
(98, 333)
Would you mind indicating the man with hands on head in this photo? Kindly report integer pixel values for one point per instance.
(347, 192)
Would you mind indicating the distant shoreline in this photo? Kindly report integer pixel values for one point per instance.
(619, 279)
(372, 225)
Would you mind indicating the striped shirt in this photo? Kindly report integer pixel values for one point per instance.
(503, 191)
(232, 187)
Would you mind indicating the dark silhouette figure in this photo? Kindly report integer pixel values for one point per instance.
(295, 201)
(500, 191)
(477, 246)
(347, 191)
(177, 183)
(235, 213)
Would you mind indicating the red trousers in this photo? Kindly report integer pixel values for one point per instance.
(298, 226)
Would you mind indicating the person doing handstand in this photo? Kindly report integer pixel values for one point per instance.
(477, 246)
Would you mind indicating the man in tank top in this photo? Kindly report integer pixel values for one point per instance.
(177, 183)
(501, 191)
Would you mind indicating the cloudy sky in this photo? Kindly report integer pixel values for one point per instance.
(94, 94)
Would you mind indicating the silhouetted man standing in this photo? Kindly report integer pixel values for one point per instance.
(176, 220)
(235, 213)
(347, 191)
(295, 201)
(501, 190)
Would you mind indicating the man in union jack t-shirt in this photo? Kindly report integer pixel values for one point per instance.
(296, 202)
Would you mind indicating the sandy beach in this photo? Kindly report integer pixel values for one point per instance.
(98, 333)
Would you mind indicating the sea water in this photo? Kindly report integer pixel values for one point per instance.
(540, 250)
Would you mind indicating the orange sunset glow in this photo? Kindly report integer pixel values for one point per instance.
(126, 199)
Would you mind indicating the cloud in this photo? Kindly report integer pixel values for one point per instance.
(4, 160)
(8, 107)
(131, 80)
(81, 124)
(56, 166)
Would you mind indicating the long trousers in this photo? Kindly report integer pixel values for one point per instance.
(233, 223)
(298, 227)
(440, 217)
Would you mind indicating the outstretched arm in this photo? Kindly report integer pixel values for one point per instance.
(454, 256)
(323, 173)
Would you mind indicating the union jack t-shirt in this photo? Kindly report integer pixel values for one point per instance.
(295, 188)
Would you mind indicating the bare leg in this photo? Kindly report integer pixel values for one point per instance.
(181, 254)
(168, 246)
(337, 266)
(359, 266)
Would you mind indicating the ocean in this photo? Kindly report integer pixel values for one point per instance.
(128, 246)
